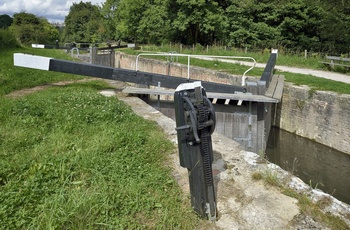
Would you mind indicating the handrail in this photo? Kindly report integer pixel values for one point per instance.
(197, 56)
(72, 51)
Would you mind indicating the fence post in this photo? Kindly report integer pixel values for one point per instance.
(305, 54)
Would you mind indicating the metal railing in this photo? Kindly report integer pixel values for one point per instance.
(189, 56)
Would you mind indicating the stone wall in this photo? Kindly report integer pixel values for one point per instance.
(174, 69)
(317, 115)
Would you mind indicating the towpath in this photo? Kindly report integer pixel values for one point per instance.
(317, 73)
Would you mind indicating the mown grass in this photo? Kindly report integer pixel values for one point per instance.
(71, 158)
(15, 78)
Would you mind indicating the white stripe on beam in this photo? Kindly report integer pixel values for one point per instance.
(31, 61)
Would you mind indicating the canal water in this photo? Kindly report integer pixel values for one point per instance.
(316, 164)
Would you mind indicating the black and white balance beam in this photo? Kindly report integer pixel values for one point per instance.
(117, 74)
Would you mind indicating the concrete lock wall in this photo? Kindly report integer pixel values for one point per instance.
(317, 115)
(174, 69)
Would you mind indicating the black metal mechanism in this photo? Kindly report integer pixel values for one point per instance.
(269, 68)
(195, 121)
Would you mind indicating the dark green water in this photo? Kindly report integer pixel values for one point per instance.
(314, 163)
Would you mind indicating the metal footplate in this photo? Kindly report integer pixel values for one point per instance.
(195, 122)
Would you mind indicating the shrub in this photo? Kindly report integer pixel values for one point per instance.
(7, 39)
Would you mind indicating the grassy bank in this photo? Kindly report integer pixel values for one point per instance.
(74, 159)
(15, 78)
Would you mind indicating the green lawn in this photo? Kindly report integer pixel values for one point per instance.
(71, 158)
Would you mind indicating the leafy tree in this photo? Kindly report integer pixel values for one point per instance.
(297, 24)
(83, 23)
(5, 21)
(129, 15)
(155, 25)
(198, 21)
(29, 29)
(109, 14)
(24, 18)
(335, 28)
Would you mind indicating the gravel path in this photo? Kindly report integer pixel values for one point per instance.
(317, 73)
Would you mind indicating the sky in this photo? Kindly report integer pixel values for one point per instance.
(52, 10)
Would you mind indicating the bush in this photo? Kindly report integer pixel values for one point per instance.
(7, 39)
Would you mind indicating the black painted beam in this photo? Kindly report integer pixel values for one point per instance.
(269, 69)
(118, 74)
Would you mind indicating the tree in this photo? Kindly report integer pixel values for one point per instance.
(5, 21)
(297, 24)
(29, 29)
(155, 25)
(129, 15)
(109, 14)
(198, 21)
(82, 23)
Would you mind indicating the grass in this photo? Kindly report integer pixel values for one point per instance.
(74, 159)
(14, 78)
(297, 61)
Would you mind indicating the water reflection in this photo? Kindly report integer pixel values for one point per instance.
(314, 163)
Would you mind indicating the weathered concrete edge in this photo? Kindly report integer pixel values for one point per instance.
(249, 160)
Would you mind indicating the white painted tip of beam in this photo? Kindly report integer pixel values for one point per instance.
(227, 101)
(31, 61)
(108, 92)
(187, 86)
(40, 46)
(215, 100)
(240, 102)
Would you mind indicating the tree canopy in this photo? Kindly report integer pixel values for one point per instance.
(316, 25)
(83, 23)
(305, 24)
(5, 21)
(30, 29)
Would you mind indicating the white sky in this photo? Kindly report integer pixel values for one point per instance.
(53, 10)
